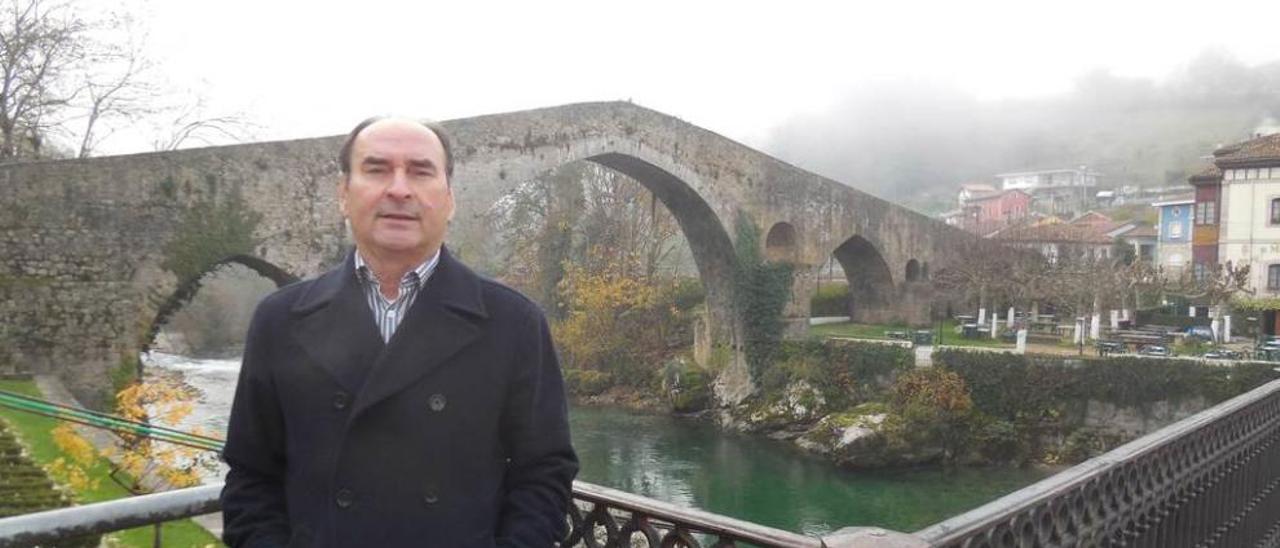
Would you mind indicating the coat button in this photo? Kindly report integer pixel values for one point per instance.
(436, 401)
(344, 498)
(340, 401)
(430, 498)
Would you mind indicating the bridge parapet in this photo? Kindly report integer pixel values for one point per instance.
(1212, 479)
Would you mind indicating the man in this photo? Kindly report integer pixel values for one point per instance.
(399, 399)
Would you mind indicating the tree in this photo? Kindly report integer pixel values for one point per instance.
(1217, 286)
(68, 82)
(144, 465)
(41, 44)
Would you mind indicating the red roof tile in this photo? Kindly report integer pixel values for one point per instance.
(1059, 232)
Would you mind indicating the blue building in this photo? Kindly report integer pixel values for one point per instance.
(1173, 247)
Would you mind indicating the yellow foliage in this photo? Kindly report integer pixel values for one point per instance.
(598, 305)
(162, 403)
(79, 455)
(933, 388)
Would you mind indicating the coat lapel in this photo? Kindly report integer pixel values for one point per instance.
(336, 327)
(444, 319)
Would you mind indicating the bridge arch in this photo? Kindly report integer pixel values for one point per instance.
(871, 287)
(780, 243)
(186, 289)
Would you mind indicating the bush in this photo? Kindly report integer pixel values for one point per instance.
(1170, 318)
(935, 411)
(830, 300)
(847, 373)
(687, 386)
(1014, 387)
(585, 382)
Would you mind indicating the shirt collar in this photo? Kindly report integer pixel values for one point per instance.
(418, 276)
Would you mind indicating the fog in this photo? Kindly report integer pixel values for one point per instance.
(915, 141)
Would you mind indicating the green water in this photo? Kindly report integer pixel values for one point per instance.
(693, 463)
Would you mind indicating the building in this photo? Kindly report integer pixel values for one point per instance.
(1249, 232)
(988, 213)
(1237, 217)
(1055, 191)
(1143, 238)
(1204, 232)
(969, 191)
(1173, 227)
(1057, 241)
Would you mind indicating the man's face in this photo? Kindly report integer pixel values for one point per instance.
(397, 197)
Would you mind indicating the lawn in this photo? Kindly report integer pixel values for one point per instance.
(35, 433)
(877, 332)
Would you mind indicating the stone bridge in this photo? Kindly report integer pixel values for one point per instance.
(98, 252)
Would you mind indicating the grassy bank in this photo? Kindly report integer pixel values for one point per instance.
(36, 434)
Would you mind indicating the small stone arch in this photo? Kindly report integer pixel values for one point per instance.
(780, 243)
(187, 289)
(913, 270)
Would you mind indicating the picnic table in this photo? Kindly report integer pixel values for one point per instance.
(923, 336)
(903, 335)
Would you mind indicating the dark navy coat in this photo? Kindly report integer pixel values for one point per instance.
(457, 437)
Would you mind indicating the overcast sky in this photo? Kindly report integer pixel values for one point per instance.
(304, 69)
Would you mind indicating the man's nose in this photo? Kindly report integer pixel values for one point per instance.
(399, 187)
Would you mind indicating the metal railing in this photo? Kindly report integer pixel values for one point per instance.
(599, 517)
(1212, 479)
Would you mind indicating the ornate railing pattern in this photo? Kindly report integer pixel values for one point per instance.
(1210, 480)
(603, 517)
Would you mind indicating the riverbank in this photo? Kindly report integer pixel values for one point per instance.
(36, 435)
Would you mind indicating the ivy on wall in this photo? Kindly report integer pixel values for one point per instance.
(761, 292)
(209, 232)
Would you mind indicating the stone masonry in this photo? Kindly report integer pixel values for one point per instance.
(97, 252)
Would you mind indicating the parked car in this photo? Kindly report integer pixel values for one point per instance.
(1199, 332)
(1155, 350)
(1223, 354)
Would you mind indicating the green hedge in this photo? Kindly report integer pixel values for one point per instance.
(846, 372)
(25, 488)
(830, 300)
(1163, 317)
(1012, 386)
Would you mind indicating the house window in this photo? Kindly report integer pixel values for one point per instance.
(1205, 213)
(1175, 231)
(1273, 276)
(1275, 211)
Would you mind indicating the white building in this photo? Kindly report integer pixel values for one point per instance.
(1056, 191)
(1250, 221)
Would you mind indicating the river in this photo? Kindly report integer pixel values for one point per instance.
(693, 463)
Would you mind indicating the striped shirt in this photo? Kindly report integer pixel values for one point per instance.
(387, 314)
